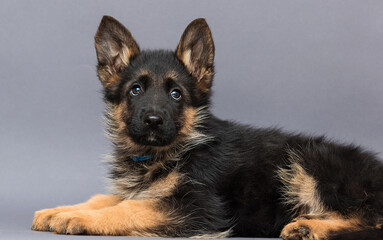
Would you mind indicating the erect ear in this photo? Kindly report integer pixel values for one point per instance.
(196, 51)
(115, 47)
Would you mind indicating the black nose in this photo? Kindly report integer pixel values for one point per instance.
(153, 120)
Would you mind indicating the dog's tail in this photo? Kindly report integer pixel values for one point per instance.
(367, 234)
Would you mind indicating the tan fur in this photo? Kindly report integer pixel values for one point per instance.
(319, 228)
(192, 119)
(43, 217)
(186, 59)
(125, 55)
(205, 86)
(300, 189)
(172, 75)
(118, 133)
(121, 219)
(161, 188)
(118, 113)
(113, 79)
(189, 116)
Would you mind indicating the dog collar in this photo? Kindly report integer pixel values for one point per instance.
(140, 158)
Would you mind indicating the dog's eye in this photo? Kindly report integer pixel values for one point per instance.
(175, 94)
(136, 90)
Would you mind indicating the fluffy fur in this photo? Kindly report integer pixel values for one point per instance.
(206, 177)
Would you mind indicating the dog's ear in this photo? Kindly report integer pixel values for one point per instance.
(115, 46)
(196, 51)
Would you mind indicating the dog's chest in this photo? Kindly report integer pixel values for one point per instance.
(146, 182)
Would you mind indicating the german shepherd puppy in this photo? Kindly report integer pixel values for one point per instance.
(178, 171)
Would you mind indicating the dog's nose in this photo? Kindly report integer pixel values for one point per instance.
(153, 120)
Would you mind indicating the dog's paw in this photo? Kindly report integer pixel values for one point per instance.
(297, 231)
(74, 223)
(42, 219)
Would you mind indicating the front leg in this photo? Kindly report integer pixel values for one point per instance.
(129, 217)
(42, 219)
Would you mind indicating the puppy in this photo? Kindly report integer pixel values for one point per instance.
(178, 171)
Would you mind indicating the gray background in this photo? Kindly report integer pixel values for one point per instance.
(313, 66)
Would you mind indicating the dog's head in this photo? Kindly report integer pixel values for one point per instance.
(154, 98)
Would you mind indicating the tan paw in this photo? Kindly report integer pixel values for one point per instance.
(297, 231)
(41, 221)
(75, 223)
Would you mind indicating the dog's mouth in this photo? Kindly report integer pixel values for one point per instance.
(152, 138)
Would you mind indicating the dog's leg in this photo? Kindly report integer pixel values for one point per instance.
(319, 227)
(42, 219)
(129, 217)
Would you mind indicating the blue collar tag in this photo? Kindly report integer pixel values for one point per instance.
(140, 158)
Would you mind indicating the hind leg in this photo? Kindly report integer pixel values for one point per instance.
(319, 227)
(42, 219)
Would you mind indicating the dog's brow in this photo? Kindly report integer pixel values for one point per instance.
(173, 75)
(143, 72)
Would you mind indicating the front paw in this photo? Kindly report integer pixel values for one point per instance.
(42, 219)
(74, 223)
